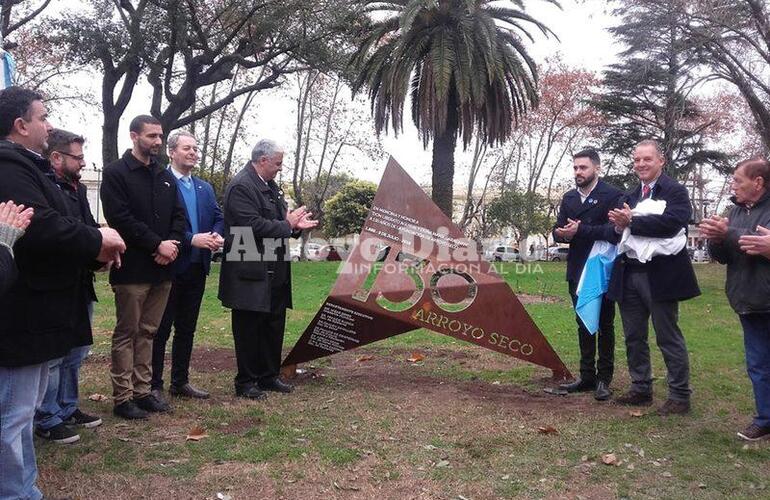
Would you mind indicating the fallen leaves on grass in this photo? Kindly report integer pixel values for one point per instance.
(636, 413)
(547, 429)
(416, 357)
(98, 397)
(196, 433)
(365, 357)
(610, 459)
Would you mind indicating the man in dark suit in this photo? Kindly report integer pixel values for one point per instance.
(40, 316)
(59, 414)
(582, 220)
(140, 200)
(654, 289)
(255, 280)
(203, 235)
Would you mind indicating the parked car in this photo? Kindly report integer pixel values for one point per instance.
(557, 254)
(506, 254)
(328, 252)
(699, 255)
(310, 249)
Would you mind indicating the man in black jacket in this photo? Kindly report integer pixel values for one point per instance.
(40, 316)
(140, 200)
(59, 413)
(256, 282)
(653, 289)
(582, 220)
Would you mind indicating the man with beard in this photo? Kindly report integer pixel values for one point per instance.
(140, 200)
(582, 220)
(59, 409)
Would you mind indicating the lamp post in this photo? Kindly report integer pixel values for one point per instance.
(98, 191)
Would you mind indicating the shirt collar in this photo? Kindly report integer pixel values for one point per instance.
(652, 183)
(179, 175)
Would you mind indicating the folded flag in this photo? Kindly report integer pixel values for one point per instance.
(593, 284)
(7, 68)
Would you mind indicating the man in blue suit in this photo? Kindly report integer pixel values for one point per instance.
(582, 220)
(203, 235)
(653, 289)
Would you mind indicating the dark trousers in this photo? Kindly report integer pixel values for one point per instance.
(184, 303)
(637, 308)
(258, 341)
(591, 369)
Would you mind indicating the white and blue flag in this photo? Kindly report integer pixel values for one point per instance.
(7, 68)
(593, 284)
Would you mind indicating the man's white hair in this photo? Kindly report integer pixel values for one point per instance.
(265, 147)
(173, 138)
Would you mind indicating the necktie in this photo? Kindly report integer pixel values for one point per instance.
(187, 182)
(645, 191)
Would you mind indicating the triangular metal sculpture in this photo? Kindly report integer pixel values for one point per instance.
(412, 268)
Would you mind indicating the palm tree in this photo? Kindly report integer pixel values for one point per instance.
(463, 63)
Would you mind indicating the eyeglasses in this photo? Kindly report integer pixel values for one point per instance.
(74, 157)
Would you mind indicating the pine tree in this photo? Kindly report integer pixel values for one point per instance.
(647, 95)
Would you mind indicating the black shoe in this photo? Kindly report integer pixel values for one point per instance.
(674, 407)
(578, 385)
(602, 392)
(151, 404)
(130, 411)
(633, 398)
(84, 420)
(60, 434)
(188, 391)
(276, 385)
(250, 392)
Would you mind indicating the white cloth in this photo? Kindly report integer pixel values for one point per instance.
(644, 248)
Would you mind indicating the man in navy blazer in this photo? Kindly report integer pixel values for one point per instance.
(582, 220)
(202, 236)
(654, 289)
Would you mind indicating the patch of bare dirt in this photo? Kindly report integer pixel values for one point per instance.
(526, 298)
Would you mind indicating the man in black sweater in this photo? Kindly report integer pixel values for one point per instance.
(140, 200)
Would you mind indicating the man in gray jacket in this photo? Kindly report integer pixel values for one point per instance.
(734, 241)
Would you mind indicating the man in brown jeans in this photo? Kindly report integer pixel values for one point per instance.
(140, 200)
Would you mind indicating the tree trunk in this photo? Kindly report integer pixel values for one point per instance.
(443, 165)
(110, 124)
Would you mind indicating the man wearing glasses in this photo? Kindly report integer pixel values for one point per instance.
(58, 415)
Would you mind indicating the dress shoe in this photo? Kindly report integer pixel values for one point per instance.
(159, 395)
(754, 433)
(276, 385)
(188, 391)
(129, 411)
(578, 385)
(674, 407)
(250, 392)
(151, 404)
(602, 392)
(633, 398)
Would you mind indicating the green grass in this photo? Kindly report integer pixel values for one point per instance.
(331, 430)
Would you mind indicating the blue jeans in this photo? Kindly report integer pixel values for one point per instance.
(61, 396)
(20, 391)
(756, 339)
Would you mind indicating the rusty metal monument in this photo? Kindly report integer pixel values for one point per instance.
(412, 268)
